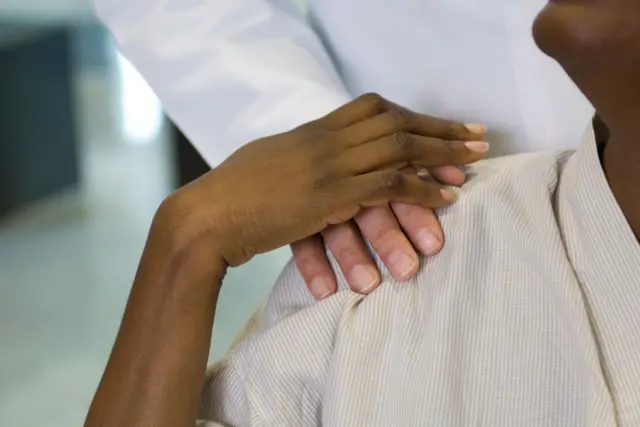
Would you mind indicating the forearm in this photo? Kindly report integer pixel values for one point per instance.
(156, 370)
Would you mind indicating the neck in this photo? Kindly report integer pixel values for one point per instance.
(622, 166)
(620, 110)
(611, 88)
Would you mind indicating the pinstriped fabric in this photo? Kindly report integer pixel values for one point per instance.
(528, 317)
(606, 259)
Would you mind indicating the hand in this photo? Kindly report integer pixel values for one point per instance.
(287, 187)
(382, 226)
(270, 193)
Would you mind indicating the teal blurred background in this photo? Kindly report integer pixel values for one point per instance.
(86, 155)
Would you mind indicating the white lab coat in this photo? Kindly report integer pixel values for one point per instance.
(230, 71)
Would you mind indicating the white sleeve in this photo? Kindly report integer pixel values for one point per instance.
(227, 71)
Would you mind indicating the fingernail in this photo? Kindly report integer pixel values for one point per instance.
(477, 128)
(402, 264)
(363, 278)
(448, 195)
(423, 173)
(427, 241)
(477, 146)
(320, 288)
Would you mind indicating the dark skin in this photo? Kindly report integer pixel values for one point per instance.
(597, 42)
(156, 371)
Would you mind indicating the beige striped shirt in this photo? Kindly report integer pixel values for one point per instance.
(530, 316)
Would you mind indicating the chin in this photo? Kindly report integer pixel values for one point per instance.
(550, 30)
(570, 32)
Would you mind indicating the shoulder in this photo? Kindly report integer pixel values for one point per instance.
(501, 194)
(505, 185)
(289, 348)
(498, 191)
(538, 170)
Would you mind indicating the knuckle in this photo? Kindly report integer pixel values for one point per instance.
(448, 150)
(414, 217)
(401, 117)
(403, 141)
(342, 239)
(379, 226)
(452, 130)
(385, 238)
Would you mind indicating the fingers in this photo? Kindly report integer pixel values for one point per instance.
(380, 227)
(399, 119)
(380, 187)
(311, 259)
(371, 116)
(402, 149)
(450, 175)
(346, 244)
(422, 227)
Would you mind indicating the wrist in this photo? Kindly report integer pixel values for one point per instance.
(192, 253)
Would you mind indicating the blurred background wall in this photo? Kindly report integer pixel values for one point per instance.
(86, 156)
